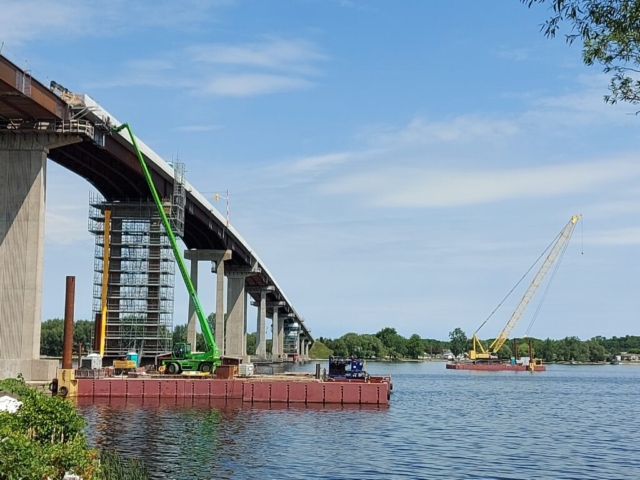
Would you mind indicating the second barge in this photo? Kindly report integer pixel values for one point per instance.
(495, 367)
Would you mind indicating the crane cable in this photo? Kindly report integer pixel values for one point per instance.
(521, 279)
(546, 290)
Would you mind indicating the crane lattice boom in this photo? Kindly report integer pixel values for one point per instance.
(557, 248)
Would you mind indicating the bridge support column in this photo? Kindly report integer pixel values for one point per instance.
(276, 336)
(23, 160)
(261, 325)
(218, 257)
(261, 340)
(192, 334)
(236, 329)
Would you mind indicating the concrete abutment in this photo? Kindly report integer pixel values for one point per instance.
(23, 162)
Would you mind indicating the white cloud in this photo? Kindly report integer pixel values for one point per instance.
(318, 162)
(243, 70)
(431, 188)
(463, 128)
(27, 20)
(66, 224)
(250, 84)
(615, 238)
(613, 208)
(23, 20)
(274, 53)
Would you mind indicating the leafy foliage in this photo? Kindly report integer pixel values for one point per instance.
(45, 439)
(610, 35)
(458, 341)
(52, 333)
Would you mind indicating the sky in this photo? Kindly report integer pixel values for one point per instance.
(394, 164)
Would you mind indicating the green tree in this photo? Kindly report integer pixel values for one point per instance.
(505, 351)
(415, 346)
(596, 352)
(610, 35)
(179, 334)
(457, 341)
(83, 333)
(51, 334)
(432, 346)
(387, 336)
(251, 344)
(548, 351)
(395, 344)
(523, 350)
(340, 348)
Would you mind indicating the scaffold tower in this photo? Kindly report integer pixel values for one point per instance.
(138, 295)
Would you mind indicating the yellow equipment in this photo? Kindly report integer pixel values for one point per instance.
(127, 364)
(478, 352)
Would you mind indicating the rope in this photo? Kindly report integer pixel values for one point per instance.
(520, 281)
(546, 290)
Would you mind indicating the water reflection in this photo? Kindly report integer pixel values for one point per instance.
(564, 423)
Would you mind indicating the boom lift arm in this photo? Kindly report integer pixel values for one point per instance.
(478, 351)
(196, 361)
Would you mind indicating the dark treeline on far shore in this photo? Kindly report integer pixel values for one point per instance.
(387, 343)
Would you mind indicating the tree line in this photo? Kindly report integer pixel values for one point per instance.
(388, 343)
(596, 349)
(52, 333)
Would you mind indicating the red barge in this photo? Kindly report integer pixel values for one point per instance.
(493, 367)
(251, 390)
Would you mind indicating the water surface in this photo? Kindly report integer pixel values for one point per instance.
(570, 422)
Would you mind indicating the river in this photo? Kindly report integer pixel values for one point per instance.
(570, 422)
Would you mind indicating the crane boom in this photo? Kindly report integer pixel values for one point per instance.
(213, 353)
(563, 238)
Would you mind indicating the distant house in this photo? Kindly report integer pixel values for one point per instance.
(447, 354)
(629, 357)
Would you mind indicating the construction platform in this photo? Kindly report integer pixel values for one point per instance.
(493, 367)
(259, 389)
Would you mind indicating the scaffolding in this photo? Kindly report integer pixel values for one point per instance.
(291, 338)
(141, 277)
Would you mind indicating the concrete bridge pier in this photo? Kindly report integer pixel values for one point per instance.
(217, 257)
(236, 328)
(261, 321)
(23, 161)
(277, 330)
(306, 344)
(301, 347)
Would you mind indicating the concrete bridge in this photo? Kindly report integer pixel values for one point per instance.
(39, 122)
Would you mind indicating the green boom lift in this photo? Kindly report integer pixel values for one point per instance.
(182, 358)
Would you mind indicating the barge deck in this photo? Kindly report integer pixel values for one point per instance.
(493, 367)
(252, 390)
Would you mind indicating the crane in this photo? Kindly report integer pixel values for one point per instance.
(478, 352)
(182, 358)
